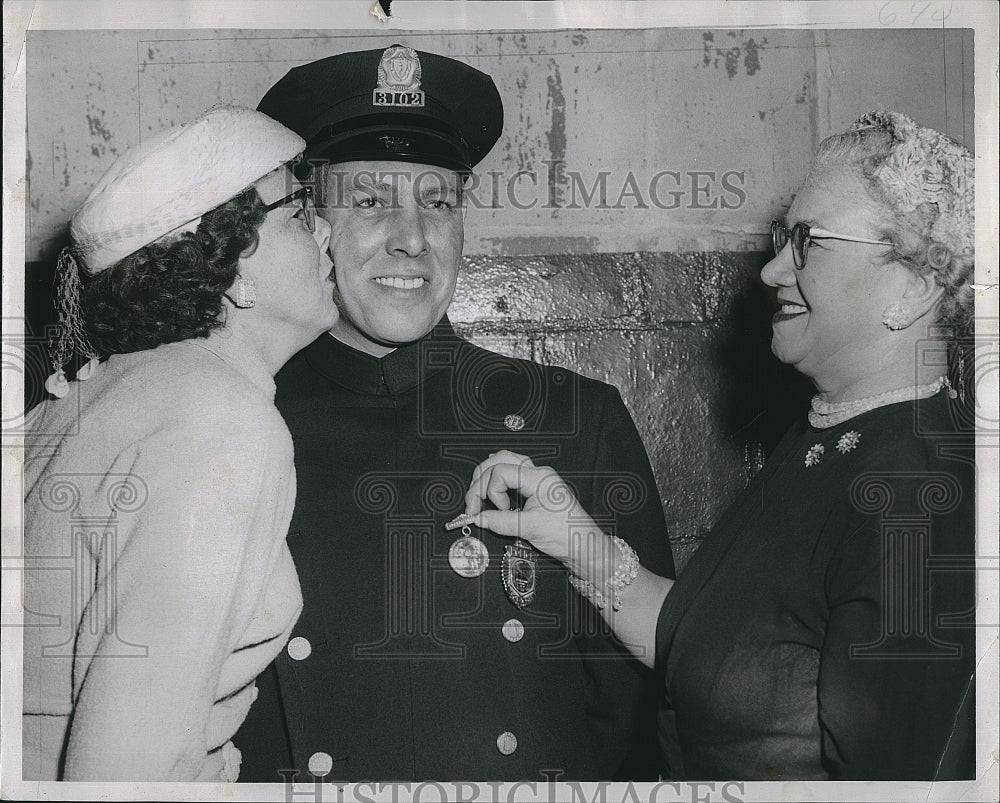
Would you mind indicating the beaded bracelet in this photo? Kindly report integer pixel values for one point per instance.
(624, 574)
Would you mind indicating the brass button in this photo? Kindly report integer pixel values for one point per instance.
(506, 743)
(299, 648)
(513, 630)
(320, 763)
(514, 422)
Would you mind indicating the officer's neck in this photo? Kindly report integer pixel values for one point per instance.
(351, 337)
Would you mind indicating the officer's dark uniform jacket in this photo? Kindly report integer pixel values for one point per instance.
(400, 668)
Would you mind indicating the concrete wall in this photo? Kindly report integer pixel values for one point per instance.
(688, 141)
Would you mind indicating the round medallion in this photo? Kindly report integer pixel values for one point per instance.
(513, 630)
(468, 556)
(514, 422)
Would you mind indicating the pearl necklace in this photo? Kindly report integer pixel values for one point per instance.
(826, 414)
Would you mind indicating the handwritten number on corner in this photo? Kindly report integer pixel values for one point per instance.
(890, 11)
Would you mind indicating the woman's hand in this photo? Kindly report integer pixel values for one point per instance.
(551, 519)
(554, 522)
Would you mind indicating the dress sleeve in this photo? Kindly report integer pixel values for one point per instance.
(896, 691)
(192, 568)
(623, 699)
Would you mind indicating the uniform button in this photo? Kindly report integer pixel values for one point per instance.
(513, 422)
(513, 630)
(320, 763)
(299, 649)
(254, 694)
(506, 743)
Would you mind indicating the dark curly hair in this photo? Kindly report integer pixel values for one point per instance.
(172, 289)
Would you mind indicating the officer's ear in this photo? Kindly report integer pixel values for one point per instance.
(313, 173)
(467, 184)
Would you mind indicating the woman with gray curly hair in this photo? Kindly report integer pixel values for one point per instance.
(825, 628)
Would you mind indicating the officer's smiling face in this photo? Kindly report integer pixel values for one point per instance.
(396, 246)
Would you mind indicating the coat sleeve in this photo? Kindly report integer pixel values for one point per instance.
(183, 588)
(896, 684)
(624, 499)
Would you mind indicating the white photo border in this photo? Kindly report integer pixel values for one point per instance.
(19, 16)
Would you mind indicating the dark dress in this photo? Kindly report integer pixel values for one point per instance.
(409, 672)
(825, 629)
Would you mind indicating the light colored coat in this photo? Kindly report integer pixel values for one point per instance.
(159, 584)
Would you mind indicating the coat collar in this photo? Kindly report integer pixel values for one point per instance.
(235, 353)
(397, 372)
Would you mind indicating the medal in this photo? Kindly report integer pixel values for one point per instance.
(518, 572)
(468, 556)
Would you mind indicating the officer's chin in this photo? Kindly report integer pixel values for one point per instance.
(402, 327)
(390, 334)
(394, 338)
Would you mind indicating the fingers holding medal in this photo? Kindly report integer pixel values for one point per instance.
(551, 510)
(489, 483)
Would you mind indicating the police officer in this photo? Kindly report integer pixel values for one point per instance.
(423, 653)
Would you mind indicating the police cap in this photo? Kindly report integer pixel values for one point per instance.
(396, 104)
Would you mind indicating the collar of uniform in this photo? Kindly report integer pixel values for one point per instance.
(397, 372)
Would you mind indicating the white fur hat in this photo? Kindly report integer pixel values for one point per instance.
(170, 180)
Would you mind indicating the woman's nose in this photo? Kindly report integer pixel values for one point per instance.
(780, 271)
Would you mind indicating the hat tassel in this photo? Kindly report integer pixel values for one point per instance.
(70, 336)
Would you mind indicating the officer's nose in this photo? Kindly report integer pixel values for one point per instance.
(408, 235)
(321, 234)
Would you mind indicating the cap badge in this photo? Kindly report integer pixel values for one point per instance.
(398, 78)
(396, 144)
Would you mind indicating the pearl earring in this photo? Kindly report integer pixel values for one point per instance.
(896, 317)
